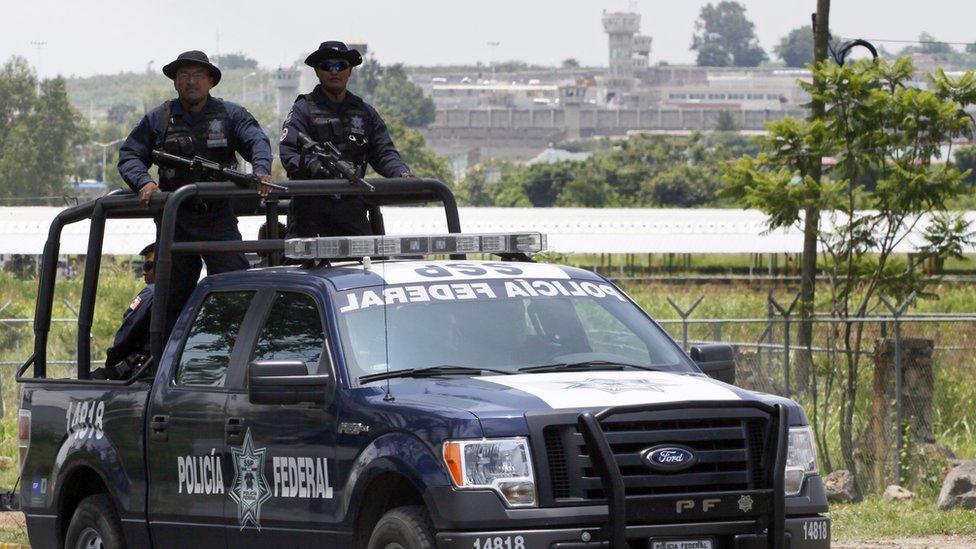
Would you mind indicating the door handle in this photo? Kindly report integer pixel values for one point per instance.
(234, 430)
(159, 425)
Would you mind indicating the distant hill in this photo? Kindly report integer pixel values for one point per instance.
(97, 94)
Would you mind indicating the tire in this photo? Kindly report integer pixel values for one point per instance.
(95, 525)
(403, 528)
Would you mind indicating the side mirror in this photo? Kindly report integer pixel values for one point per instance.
(285, 382)
(716, 360)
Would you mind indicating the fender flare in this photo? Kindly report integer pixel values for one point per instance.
(396, 452)
(100, 456)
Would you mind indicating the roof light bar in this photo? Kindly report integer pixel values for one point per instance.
(334, 247)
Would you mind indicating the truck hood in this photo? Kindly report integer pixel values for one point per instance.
(502, 401)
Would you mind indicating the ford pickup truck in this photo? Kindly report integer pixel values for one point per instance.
(386, 392)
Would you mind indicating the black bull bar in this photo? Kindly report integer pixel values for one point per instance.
(612, 480)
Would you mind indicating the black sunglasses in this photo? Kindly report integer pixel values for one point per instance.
(338, 66)
(148, 265)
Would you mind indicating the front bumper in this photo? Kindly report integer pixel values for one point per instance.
(811, 532)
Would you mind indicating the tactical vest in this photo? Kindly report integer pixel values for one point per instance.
(213, 139)
(347, 131)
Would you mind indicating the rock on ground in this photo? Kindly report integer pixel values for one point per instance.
(840, 487)
(959, 488)
(897, 493)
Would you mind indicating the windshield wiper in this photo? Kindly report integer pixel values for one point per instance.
(444, 370)
(584, 366)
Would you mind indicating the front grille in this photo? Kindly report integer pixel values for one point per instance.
(730, 452)
(557, 464)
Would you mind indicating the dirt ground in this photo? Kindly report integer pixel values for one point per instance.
(930, 542)
(9, 521)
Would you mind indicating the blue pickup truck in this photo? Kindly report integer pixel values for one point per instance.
(369, 396)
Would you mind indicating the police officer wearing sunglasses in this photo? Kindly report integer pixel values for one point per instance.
(330, 113)
(195, 124)
(131, 345)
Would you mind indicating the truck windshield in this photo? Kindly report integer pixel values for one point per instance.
(498, 324)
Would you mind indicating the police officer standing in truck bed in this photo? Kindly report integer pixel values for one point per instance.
(195, 124)
(333, 114)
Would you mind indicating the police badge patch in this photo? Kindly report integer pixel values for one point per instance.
(357, 124)
(250, 489)
(215, 134)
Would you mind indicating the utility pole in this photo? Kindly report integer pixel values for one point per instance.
(39, 45)
(811, 216)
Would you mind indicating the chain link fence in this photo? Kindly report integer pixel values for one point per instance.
(858, 381)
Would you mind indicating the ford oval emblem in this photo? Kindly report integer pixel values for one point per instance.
(668, 458)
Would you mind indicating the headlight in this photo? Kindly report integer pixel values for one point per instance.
(501, 464)
(801, 459)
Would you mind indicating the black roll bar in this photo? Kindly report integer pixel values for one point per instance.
(612, 480)
(122, 205)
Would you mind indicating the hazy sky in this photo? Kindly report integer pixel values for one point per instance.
(86, 37)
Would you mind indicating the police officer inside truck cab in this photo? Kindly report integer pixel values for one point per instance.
(195, 124)
(331, 113)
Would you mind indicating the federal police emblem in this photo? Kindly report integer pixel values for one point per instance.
(357, 124)
(215, 134)
(614, 386)
(250, 489)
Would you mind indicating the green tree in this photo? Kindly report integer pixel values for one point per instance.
(883, 132)
(965, 159)
(365, 78)
(713, 55)
(971, 47)
(36, 156)
(726, 122)
(398, 97)
(119, 112)
(18, 93)
(796, 48)
(588, 188)
(927, 44)
(725, 24)
(683, 186)
(236, 60)
(571, 63)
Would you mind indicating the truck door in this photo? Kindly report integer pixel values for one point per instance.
(290, 447)
(189, 464)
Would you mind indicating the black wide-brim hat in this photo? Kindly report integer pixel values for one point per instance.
(193, 57)
(333, 49)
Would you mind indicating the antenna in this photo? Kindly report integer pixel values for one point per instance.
(386, 335)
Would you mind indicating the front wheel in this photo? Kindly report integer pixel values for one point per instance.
(95, 525)
(403, 528)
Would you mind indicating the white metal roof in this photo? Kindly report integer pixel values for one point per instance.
(23, 230)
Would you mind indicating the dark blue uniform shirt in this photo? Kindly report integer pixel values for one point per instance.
(134, 154)
(381, 153)
(133, 334)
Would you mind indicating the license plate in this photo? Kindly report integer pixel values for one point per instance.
(681, 544)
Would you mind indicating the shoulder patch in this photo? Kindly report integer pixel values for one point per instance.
(284, 134)
(136, 301)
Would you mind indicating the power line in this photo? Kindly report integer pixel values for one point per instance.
(919, 42)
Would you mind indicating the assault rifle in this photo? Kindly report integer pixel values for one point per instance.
(214, 169)
(326, 156)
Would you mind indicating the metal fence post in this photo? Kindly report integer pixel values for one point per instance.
(785, 313)
(3, 405)
(897, 312)
(684, 318)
